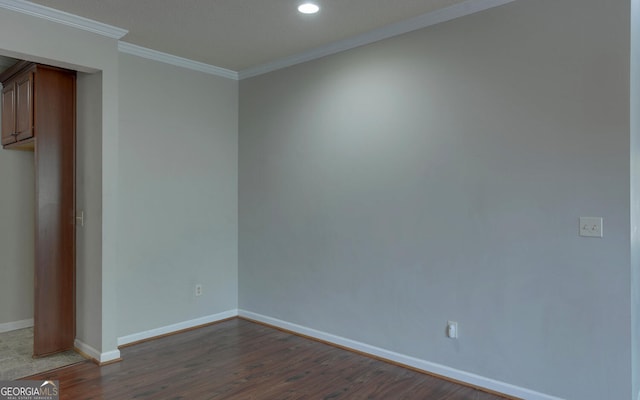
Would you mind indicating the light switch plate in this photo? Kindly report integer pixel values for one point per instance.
(591, 226)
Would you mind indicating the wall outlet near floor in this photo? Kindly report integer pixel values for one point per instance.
(199, 289)
(452, 329)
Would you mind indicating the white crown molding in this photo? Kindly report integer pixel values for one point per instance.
(422, 21)
(64, 18)
(144, 52)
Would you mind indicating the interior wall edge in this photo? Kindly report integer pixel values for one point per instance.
(96, 355)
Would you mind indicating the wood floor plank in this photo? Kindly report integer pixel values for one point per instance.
(238, 359)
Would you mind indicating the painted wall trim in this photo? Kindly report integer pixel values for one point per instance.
(123, 340)
(64, 18)
(15, 325)
(144, 52)
(422, 21)
(423, 365)
(95, 354)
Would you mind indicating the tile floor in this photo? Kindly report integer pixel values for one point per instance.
(16, 348)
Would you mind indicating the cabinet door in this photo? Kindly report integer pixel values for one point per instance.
(24, 107)
(8, 114)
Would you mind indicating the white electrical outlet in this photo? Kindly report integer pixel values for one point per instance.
(591, 226)
(198, 289)
(452, 329)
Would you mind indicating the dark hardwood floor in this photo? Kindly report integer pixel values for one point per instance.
(239, 359)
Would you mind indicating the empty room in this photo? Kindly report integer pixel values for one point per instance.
(410, 199)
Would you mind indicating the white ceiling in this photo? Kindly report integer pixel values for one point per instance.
(242, 34)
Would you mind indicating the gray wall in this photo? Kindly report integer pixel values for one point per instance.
(17, 183)
(440, 175)
(178, 196)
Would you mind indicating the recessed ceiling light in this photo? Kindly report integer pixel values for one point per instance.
(308, 8)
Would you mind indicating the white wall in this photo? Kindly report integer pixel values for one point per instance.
(17, 183)
(177, 195)
(440, 175)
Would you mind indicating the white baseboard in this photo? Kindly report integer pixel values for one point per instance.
(136, 337)
(95, 354)
(429, 367)
(15, 325)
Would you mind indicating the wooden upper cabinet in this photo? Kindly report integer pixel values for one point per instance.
(8, 114)
(22, 85)
(17, 108)
(24, 106)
